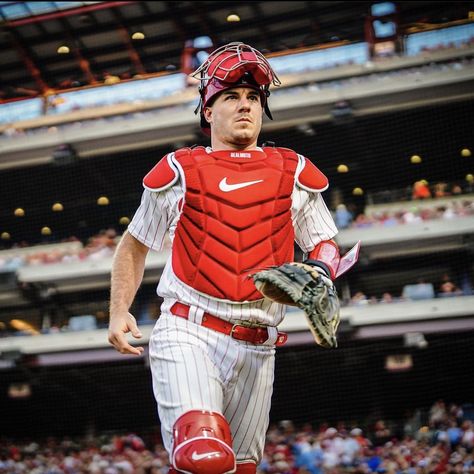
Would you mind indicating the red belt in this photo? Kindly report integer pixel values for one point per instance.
(256, 335)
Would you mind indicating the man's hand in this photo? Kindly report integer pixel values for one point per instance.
(119, 326)
(301, 285)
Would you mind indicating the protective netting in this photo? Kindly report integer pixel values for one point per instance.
(312, 385)
(351, 385)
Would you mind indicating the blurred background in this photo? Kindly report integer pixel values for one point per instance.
(379, 95)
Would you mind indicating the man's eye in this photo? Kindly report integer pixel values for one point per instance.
(253, 97)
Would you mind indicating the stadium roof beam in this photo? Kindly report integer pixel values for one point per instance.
(212, 29)
(314, 33)
(27, 57)
(305, 24)
(65, 13)
(125, 34)
(264, 34)
(39, 25)
(175, 17)
(76, 47)
(205, 22)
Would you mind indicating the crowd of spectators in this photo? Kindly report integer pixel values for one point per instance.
(440, 442)
(345, 218)
(115, 454)
(97, 247)
(422, 290)
(409, 74)
(103, 244)
(445, 444)
(148, 309)
(421, 190)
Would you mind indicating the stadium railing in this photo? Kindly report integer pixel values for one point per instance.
(429, 316)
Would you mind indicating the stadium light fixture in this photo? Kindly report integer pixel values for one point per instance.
(233, 18)
(103, 201)
(63, 49)
(398, 363)
(19, 390)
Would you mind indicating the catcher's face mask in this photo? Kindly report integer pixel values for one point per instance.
(234, 65)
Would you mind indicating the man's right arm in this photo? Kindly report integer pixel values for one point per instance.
(127, 273)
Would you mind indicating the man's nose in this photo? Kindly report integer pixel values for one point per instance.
(244, 104)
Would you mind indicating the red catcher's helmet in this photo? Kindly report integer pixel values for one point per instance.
(233, 65)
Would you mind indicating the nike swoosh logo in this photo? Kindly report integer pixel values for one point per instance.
(197, 457)
(224, 186)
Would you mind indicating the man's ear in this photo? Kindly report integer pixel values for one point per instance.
(207, 112)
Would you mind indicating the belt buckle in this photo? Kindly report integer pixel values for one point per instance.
(234, 333)
(232, 330)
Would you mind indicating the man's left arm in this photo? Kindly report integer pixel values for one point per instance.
(314, 231)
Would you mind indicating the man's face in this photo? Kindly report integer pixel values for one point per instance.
(236, 117)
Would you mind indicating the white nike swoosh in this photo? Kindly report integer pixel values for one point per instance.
(224, 186)
(196, 457)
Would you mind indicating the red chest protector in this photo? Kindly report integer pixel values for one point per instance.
(236, 219)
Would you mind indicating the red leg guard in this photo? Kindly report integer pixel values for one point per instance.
(246, 468)
(202, 444)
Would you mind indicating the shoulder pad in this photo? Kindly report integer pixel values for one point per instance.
(286, 152)
(309, 177)
(187, 151)
(163, 175)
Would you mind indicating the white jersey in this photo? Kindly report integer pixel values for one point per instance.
(159, 213)
(197, 368)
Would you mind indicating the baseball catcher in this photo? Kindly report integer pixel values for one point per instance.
(308, 286)
(227, 208)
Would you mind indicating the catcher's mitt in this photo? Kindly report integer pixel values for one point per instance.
(299, 284)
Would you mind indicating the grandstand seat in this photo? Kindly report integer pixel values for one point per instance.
(420, 291)
(82, 323)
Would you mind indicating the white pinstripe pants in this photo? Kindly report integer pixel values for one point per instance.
(196, 368)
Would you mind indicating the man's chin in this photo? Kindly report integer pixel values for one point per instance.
(244, 135)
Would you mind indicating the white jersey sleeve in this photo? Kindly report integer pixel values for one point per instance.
(156, 215)
(312, 221)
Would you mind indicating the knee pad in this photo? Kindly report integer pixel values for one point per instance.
(202, 444)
